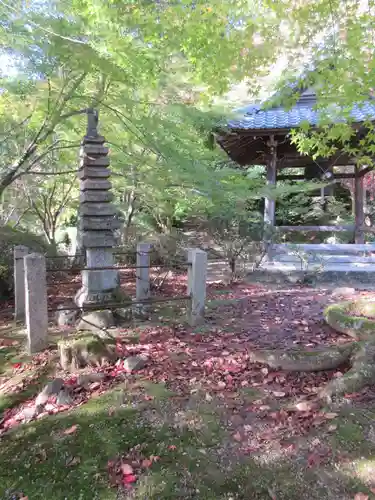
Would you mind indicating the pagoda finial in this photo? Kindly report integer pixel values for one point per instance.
(92, 122)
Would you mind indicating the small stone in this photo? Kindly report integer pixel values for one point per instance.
(64, 398)
(29, 413)
(134, 363)
(94, 386)
(66, 316)
(87, 379)
(96, 320)
(53, 387)
(343, 291)
(123, 313)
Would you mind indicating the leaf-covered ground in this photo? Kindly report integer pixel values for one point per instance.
(199, 421)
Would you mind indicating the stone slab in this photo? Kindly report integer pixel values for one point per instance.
(84, 297)
(98, 139)
(94, 239)
(36, 302)
(19, 282)
(94, 209)
(99, 223)
(95, 196)
(197, 273)
(94, 161)
(94, 149)
(95, 185)
(93, 173)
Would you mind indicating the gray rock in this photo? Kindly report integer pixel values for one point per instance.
(96, 320)
(66, 317)
(29, 413)
(53, 387)
(64, 398)
(123, 313)
(343, 291)
(134, 363)
(88, 378)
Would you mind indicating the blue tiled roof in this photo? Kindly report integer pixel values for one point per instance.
(253, 117)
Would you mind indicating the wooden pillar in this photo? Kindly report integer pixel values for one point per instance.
(358, 206)
(269, 204)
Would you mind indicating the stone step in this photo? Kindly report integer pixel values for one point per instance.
(315, 257)
(285, 267)
(339, 248)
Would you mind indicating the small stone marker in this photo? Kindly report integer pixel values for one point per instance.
(36, 302)
(19, 282)
(197, 273)
(143, 280)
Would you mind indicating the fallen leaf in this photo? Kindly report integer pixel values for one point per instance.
(146, 463)
(361, 496)
(172, 447)
(71, 430)
(126, 469)
(130, 478)
(279, 394)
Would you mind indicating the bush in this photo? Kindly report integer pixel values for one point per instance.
(9, 238)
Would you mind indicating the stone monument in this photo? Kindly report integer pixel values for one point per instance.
(97, 219)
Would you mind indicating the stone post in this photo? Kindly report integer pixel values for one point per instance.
(97, 219)
(142, 279)
(19, 282)
(36, 302)
(197, 272)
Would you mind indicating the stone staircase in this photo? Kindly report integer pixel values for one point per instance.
(326, 262)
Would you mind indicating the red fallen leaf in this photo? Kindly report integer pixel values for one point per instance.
(146, 463)
(172, 447)
(71, 430)
(15, 366)
(361, 496)
(126, 469)
(129, 479)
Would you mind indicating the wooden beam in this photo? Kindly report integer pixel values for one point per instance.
(300, 177)
(358, 206)
(364, 171)
(336, 229)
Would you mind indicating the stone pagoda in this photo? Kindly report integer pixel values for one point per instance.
(97, 219)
